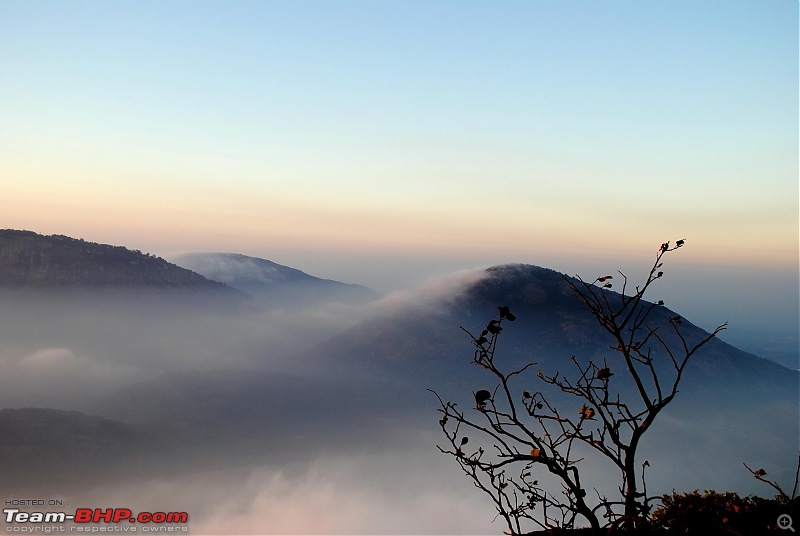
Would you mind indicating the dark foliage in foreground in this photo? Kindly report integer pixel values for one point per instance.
(707, 514)
(721, 513)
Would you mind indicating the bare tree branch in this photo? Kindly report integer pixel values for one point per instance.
(543, 437)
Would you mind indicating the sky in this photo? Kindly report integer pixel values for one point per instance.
(383, 142)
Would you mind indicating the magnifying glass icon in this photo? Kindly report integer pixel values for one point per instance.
(785, 522)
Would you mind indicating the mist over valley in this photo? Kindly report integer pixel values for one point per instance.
(173, 391)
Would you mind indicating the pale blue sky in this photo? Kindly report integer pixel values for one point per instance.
(383, 142)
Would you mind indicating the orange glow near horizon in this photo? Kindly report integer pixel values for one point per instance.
(171, 216)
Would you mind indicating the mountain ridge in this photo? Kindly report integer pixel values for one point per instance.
(550, 328)
(32, 260)
(59, 263)
(267, 279)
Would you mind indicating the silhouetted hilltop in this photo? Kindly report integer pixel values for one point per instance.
(31, 260)
(727, 397)
(424, 344)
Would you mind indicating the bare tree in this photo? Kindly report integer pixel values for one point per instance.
(529, 431)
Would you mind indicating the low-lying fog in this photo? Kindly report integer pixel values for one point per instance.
(257, 437)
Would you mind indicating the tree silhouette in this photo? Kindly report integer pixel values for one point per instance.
(530, 431)
(760, 474)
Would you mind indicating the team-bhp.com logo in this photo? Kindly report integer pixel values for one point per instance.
(97, 515)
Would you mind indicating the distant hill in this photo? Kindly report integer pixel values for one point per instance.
(426, 342)
(272, 281)
(31, 260)
(727, 397)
